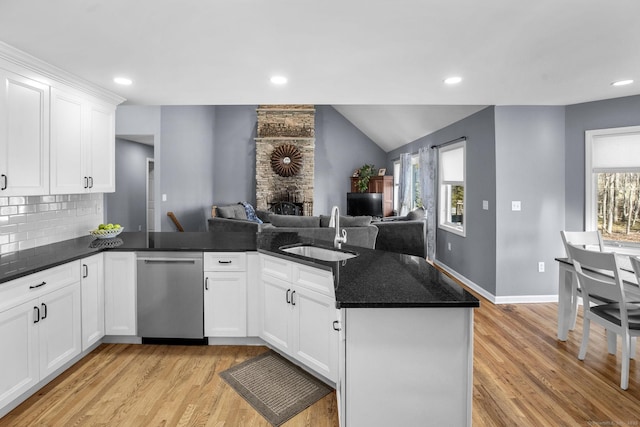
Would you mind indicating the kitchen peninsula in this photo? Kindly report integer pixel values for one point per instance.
(402, 330)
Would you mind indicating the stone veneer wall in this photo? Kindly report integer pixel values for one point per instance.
(279, 125)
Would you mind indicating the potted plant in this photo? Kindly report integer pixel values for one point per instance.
(365, 174)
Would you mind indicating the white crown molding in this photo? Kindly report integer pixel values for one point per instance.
(55, 74)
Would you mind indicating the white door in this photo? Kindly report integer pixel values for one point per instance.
(120, 293)
(100, 159)
(92, 289)
(67, 137)
(315, 341)
(24, 136)
(276, 312)
(60, 332)
(225, 304)
(19, 355)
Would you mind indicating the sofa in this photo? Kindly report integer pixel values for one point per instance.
(407, 234)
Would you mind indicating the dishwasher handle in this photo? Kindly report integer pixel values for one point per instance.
(168, 260)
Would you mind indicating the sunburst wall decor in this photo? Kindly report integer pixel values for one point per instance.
(286, 160)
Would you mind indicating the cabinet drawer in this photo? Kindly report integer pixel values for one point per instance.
(225, 261)
(276, 267)
(314, 279)
(36, 284)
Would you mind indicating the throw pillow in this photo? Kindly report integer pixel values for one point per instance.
(226, 211)
(294, 221)
(250, 212)
(239, 211)
(347, 221)
(418, 213)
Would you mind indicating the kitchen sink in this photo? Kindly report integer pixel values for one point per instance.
(316, 252)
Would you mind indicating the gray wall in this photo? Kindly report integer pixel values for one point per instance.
(610, 113)
(235, 154)
(529, 169)
(187, 165)
(472, 256)
(340, 149)
(127, 206)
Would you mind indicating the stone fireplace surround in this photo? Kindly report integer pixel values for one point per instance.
(279, 125)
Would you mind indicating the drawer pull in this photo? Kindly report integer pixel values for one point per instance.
(206, 283)
(5, 182)
(85, 271)
(225, 262)
(288, 300)
(37, 286)
(292, 301)
(44, 309)
(36, 317)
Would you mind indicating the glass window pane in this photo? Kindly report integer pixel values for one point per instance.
(618, 206)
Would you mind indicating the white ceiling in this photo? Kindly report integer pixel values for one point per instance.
(355, 54)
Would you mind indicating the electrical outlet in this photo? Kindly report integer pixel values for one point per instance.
(541, 267)
(485, 205)
(164, 197)
(449, 245)
(516, 205)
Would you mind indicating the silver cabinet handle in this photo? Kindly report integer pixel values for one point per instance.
(5, 182)
(206, 283)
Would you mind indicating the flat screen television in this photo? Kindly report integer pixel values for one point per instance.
(364, 204)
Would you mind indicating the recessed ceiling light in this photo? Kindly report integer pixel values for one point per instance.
(122, 81)
(278, 80)
(453, 80)
(622, 83)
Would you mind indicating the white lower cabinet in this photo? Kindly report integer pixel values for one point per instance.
(299, 315)
(92, 284)
(40, 328)
(225, 294)
(120, 293)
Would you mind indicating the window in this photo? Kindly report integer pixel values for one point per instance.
(612, 184)
(452, 178)
(416, 200)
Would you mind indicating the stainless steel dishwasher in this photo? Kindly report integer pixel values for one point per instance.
(170, 296)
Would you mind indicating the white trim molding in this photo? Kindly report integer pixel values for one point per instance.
(514, 299)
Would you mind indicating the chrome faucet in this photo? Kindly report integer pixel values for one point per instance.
(338, 239)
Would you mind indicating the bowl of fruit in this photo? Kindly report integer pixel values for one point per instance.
(107, 231)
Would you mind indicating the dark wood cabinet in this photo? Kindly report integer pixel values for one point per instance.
(379, 184)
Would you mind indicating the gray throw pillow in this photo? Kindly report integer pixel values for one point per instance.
(226, 211)
(418, 213)
(240, 212)
(295, 221)
(347, 221)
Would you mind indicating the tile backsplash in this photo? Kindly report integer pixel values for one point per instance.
(27, 222)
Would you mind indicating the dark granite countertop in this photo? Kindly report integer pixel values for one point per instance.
(372, 279)
(377, 278)
(25, 262)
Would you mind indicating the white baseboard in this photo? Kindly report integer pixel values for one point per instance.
(515, 299)
(236, 341)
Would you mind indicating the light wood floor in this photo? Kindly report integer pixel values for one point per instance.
(523, 376)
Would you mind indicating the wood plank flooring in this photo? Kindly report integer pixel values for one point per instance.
(523, 376)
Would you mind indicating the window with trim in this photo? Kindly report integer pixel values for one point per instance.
(612, 184)
(451, 187)
(416, 200)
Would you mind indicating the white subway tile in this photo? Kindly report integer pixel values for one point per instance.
(17, 200)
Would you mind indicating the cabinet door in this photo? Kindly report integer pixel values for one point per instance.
(24, 136)
(67, 137)
(92, 300)
(315, 341)
(225, 304)
(100, 160)
(120, 293)
(276, 312)
(19, 355)
(60, 334)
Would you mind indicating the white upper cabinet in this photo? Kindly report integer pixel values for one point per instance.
(24, 136)
(82, 144)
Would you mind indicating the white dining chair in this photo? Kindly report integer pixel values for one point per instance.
(587, 240)
(599, 274)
